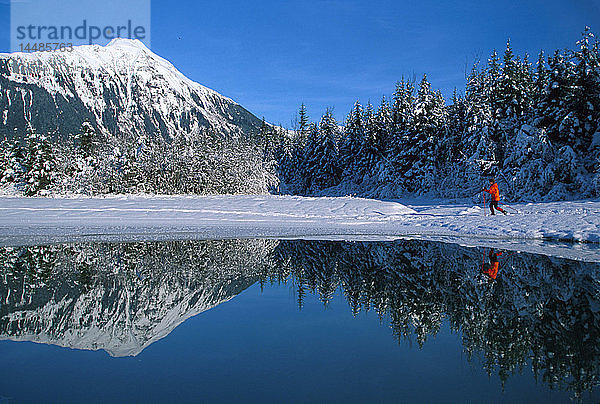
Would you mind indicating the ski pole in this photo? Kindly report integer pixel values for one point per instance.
(483, 260)
(509, 255)
(484, 209)
(510, 207)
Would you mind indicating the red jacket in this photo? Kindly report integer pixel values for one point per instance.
(492, 270)
(494, 192)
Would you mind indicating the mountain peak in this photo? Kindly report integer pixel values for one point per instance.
(126, 43)
(122, 89)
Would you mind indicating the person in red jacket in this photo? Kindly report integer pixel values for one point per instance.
(495, 193)
(491, 270)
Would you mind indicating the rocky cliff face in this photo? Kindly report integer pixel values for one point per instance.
(123, 89)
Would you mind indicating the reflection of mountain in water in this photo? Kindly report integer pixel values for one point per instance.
(540, 311)
(119, 297)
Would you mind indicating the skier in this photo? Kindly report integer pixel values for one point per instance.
(491, 270)
(495, 196)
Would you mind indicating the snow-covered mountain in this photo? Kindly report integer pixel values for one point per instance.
(122, 89)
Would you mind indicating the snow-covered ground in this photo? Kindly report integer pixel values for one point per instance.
(548, 228)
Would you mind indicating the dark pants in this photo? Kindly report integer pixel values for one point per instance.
(494, 204)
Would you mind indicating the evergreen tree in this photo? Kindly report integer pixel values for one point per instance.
(269, 139)
(86, 140)
(369, 154)
(426, 132)
(540, 85)
(325, 160)
(493, 96)
(383, 128)
(527, 81)
(286, 166)
(308, 167)
(515, 87)
(39, 162)
(13, 166)
(402, 106)
(476, 144)
(514, 101)
(554, 107)
(298, 144)
(4, 157)
(302, 119)
(585, 99)
(402, 109)
(354, 132)
(455, 129)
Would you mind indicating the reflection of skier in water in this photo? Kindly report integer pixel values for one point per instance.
(491, 269)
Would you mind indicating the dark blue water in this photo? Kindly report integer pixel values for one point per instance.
(295, 321)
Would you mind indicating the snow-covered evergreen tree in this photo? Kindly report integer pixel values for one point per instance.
(514, 101)
(13, 164)
(354, 132)
(325, 159)
(86, 139)
(383, 128)
(39, 163)
(402, 106)
(556, 117)
(426, 132)
(369, 154)
(307, 168)
(476, 144)
(455, 128)
(302, 119)
(286, 168)
(297, 143)
(540, 86)
(585, 99)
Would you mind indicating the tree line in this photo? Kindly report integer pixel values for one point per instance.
(534, 126)
(90, 163)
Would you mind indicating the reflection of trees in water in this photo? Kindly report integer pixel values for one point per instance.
(120, 297)
(540, 309)
(30, 267)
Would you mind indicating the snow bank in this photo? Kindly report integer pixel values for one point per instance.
(42, 220)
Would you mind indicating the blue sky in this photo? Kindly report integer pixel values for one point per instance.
(270, 56)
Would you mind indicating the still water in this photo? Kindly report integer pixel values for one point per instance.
(308, 321)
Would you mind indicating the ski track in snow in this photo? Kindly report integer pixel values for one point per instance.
(548, 228)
